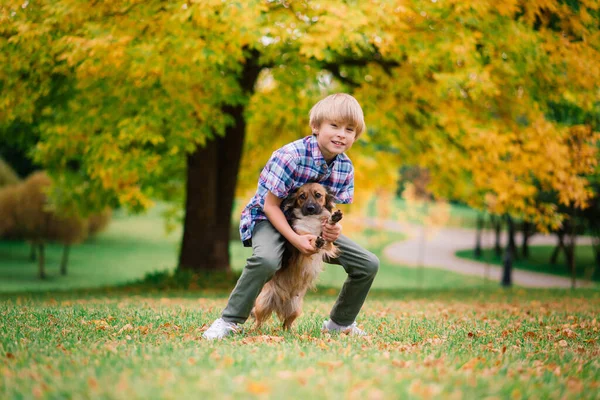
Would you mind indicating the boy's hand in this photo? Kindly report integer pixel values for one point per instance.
(306, 244)
(331, 232)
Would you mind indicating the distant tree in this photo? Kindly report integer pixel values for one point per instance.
(98, 222)
(9, 198)
(7, 175)
(166, 98)
(26, 213)
(67, 231)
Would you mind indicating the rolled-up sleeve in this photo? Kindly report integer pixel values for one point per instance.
(346, 193)
(278, 175)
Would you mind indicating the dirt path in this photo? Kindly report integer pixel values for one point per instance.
(436, 248)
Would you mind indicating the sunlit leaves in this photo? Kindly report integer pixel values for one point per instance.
(461, 88)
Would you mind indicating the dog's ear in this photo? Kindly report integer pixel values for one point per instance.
(329, 201)
(288, 204)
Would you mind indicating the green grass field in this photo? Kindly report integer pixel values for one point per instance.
(134, 246)
(433, 333)
(455, 344)
(539, 261)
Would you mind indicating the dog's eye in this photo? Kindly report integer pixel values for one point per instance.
(302, 196)
(318, 195)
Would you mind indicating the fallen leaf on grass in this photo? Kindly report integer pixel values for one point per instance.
(145, 329)
(285, 374)
(331, 365)
(227, 361)
(126, 328)
(402, 363)
(422, 390)
(262, 339)
(471, 364)
(92, 383)
(257, 388)
(574, 384)
(569, 333)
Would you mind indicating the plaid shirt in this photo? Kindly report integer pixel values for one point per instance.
(292, 166)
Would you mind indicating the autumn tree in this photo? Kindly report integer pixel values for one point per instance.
(164, 99)
(7, 175)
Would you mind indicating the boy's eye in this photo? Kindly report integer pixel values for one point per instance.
(350, 129)
(334, 125)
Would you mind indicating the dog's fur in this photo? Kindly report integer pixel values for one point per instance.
(306, 209)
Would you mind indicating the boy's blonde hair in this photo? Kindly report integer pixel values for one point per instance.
(340, 108)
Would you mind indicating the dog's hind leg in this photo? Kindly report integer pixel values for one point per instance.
(293, 311)
(263, 307)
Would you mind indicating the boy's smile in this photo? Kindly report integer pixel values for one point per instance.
(334, 138)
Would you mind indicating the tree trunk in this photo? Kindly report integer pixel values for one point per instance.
(512, 243)
(480, 221)
(41, 261)
(32, 253)
(497, 222)
(570, 254)
(65, 260)
(559, 246)
(509, 254)
(596, 247)
(526, 235)
(211, 180)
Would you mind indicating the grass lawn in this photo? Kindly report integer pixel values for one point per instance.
(454, 344)
(539, 261)
(131, 247)
(134, 246)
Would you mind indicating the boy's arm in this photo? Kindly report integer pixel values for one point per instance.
(331, 233)
(275, 215)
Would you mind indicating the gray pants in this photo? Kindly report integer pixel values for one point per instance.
(267, 251)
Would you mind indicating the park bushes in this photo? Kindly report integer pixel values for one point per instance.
(7, 175)
(26, 214)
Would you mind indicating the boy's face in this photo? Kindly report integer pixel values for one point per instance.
(334, 138)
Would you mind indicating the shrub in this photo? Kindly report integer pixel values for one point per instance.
(8, 176)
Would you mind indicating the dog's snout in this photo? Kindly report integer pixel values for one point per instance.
(310, 208)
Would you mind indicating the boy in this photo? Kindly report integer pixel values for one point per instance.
(336, 122)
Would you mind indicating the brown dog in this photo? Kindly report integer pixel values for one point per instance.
(306, 209)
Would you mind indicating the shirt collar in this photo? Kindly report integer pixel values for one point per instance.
(313, 147)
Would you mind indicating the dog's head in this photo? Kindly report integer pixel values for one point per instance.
(309, 199)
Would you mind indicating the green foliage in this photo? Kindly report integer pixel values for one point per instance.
(467, 91)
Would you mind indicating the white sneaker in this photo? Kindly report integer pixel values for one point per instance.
(352, 329)
(219, 329)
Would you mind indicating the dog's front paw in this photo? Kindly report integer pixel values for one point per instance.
(319, 242)
(336, 216)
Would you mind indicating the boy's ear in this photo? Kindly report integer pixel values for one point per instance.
(329, 201)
